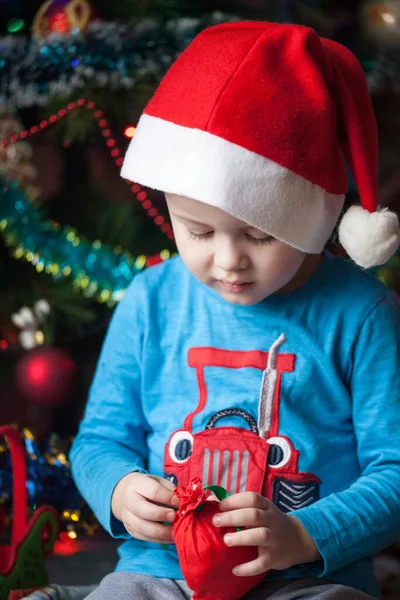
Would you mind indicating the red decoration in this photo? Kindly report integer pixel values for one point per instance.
(111, 144)
(151, 261)
(46, 376)
(64, 17)
(206, 561)
(59, 23)
(34, 538)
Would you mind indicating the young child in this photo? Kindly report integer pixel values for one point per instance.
(254, 342)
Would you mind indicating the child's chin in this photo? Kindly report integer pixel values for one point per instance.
(240, 299)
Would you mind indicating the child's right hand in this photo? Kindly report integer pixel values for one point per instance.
(142, 502)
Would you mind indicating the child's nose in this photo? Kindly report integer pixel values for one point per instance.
(230, 257)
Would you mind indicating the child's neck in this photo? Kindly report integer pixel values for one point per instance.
(306, 271)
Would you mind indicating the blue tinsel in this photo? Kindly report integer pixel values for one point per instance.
(49, 481)
(99, 268)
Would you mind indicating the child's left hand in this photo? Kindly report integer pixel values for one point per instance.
(282, 539)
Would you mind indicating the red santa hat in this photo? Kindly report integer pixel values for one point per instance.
(256, 119)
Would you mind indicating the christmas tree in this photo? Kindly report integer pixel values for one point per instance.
(74, 78)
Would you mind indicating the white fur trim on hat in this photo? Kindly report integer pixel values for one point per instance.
(197, 164)
(370, 239)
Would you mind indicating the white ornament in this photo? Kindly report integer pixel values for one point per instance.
(42, 309)
(24, 318)
(27, 339)
(29, 322)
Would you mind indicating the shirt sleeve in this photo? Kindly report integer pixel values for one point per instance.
(111, 441)
(365, 518)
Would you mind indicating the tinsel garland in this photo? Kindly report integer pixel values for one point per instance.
(49, 481)
(109, 139)
(111, 55)
(99, 271)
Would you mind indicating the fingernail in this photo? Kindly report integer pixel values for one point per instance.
(217, 520)
(235, 571)
(170, 517)
(228, 540)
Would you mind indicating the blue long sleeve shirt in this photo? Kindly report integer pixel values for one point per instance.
(296, 397)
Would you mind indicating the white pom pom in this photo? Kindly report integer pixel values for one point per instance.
(370, 239)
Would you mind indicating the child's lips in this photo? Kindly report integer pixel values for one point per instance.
(235, 287)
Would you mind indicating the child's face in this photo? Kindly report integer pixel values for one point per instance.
(243, 264)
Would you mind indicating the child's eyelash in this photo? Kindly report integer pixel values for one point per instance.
(258, 241)
(205, 236)
(199, 236)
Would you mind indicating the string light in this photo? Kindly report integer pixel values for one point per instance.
(111, 144)
(72, 535)
(15, 25)
(130, 131)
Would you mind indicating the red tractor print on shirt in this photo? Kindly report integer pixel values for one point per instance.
(256, 459)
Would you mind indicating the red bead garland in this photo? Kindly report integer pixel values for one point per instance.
(111, 144)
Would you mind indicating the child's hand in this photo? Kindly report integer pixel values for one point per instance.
(142, 503)
(281, 539)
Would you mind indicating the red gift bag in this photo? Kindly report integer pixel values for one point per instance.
(206, 561)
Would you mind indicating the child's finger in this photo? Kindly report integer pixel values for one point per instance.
(245, 500)
(242, 517)
(154, 491)
(149, 511)
(257, 536)
(148, 529)
(254, 567)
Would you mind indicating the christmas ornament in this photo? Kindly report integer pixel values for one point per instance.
(381, 21)
(46, 376)
(29, 321)
(206, 561)
(49, 481)
(62, 17)
(22, 561)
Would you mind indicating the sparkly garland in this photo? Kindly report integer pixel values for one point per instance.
(49, 481)
(111, 144)
(98, 271)
(111, 55)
